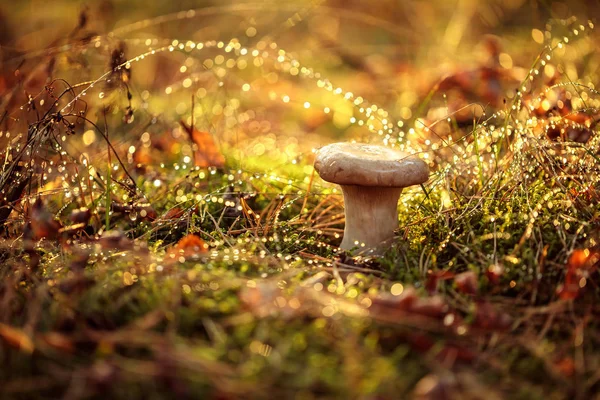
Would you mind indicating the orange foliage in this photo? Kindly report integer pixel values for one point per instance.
(189, 246)
(206, 154)
(15, 337)
(581, 264)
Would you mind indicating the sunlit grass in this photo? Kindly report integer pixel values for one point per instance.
(490, 287)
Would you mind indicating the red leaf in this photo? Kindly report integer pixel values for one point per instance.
(488, 318)
(433, 279)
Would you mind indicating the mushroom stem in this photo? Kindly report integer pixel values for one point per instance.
(371, 216)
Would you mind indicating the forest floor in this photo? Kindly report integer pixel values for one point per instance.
(192, 252)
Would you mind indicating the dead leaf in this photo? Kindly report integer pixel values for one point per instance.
(434, 277)
(433, 307)
(385, 301)
(206, 154)
(173, 213)
(494, 273)
(190, 246)
(57, 341)
(15, 337)
(43, 225)
(81, 215)
(115, 240)
(466, 282)
(566, 366)
(489, 318)
(582, 263)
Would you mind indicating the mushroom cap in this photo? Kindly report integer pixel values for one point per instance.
(369, 165)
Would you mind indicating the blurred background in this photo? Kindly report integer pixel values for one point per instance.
(276, 79)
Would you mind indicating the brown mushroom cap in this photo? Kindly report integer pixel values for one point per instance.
(369, 165)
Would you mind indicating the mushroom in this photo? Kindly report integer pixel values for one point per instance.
(372, 178)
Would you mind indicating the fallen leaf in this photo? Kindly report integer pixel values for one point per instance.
(15, 337)
(173, 213)
(190, 246)
(566, 366)
(403, 302)
(206, 154)
(433, 307)
(494, 273)
(409, 302)
(433, 279)
(581, 264)
(43, 225)
(57, 341)
(489, 318)
(115, 240)
(466, 282)
(80, 215)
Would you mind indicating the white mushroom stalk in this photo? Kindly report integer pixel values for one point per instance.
(372, 178)
(371, 216)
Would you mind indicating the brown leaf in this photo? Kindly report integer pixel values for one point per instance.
(115, 240)
(173, 213)
(466, 282)
(43, 225)
(142, 157)
(433, 307)
(488, 318)
(482, 83)
(410, 302)
(423, 343)
(206, 154)
(566, 366)
(15, 337)
(57, 341)
(403, 302)
(81, 215)
(434, 277)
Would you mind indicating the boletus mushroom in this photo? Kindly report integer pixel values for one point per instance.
(372, 178)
